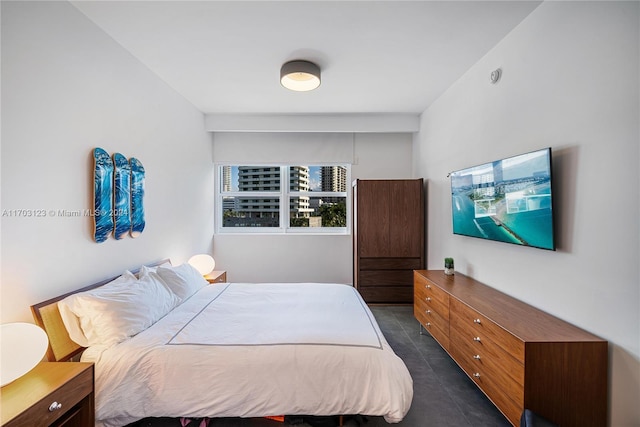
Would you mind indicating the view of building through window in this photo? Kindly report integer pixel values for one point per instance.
(255, 196)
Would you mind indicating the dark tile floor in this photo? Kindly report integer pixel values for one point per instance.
(443, 395)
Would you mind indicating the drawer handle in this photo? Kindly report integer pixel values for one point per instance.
(55, 406)
(428, 325)
(477, 357)
(476, 339)
(428, 298)
(428, 286)
(477, 375)
(477, 321)
(428, 311)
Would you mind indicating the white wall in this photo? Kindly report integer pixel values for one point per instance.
(67, 88)
(382, 156)
(295, 258)
(570, 81)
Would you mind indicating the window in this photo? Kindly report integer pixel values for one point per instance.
(283, 199)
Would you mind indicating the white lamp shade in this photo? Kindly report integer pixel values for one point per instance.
(204, 263)
(22, 347)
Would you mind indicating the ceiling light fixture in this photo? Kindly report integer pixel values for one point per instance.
(300, 76)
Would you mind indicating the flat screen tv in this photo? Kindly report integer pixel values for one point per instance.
(509, 200)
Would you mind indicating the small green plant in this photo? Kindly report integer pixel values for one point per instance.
(448, 263)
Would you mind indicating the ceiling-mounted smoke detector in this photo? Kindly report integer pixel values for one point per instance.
(495, 75)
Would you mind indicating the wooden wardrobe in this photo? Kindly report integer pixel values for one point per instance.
(388, 238)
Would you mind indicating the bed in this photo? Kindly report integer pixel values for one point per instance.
(226, 349)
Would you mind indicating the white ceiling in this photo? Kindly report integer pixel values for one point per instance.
(376, 57)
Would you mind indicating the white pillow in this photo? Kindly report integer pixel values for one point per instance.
(114, 312)
(144, 270)
(183, 280)
(71, 321)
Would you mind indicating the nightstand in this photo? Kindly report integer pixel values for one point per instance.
(216, 276)
(51, 394)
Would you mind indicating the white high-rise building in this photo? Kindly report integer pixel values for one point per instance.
(266, 179)
(299, 181)
(226, 178)
(334, 178)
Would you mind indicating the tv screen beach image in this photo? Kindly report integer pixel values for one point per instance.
(508, 200)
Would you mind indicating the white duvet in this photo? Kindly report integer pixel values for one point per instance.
(250, 350)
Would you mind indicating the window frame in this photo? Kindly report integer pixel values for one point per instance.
(284, 195)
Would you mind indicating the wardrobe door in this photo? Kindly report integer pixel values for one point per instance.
(406, 219)
(373, 219)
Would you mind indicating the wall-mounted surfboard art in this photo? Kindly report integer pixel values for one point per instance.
(102, 195)
(121, 196)
(137, 197)
(118, 195)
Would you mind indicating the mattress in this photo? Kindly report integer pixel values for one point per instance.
(250, 350)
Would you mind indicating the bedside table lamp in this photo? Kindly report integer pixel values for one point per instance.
(22, 347)
(204, 263)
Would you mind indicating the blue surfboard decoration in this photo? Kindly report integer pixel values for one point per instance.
(121, 196)
(102, 195)
(137, 197)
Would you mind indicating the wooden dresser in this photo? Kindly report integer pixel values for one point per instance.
(388, 238)
(518, 355)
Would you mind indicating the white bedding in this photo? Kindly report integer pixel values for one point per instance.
(245, 350)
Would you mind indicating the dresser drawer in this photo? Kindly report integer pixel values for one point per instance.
(395, 294)
(465, 318)
(425, 288)
(433, 298)
(438, 334)
(60, 401)
(431, 308)
(390, 264)
(385, 277)
(490, 358)
(505, 393)
(437, 326)
(428, 316)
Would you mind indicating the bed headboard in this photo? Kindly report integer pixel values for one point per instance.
(46, 314)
